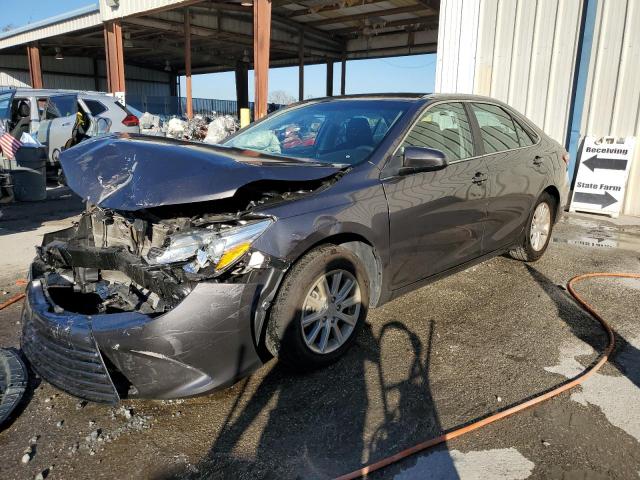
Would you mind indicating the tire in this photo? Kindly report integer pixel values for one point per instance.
(301, 288)
(61, 179)
(531, 250)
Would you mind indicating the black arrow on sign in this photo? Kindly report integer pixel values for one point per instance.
(605, 163)
(603, 199)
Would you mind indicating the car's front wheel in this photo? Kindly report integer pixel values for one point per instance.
(538, 231)
(319, 309)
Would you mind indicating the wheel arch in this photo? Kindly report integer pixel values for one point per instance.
(363, 249)
(555, 193)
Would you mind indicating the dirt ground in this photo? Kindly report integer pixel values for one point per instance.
(437, 358)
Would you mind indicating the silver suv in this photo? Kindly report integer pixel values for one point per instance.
(52, 117)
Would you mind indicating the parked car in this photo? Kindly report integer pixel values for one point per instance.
(194, 264)
(51, 115)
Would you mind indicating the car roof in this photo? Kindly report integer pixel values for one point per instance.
(46, 92)
(433, 97)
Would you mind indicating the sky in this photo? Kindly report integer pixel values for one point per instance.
(397, 74)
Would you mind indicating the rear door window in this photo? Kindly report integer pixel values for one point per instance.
(497, 128)
(95, 107)
(61, 106)
(523, 137)
(444, 127)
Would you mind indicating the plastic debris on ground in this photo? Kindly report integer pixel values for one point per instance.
(196, 128)
(151, 124)
(176, 128)
(208, 129)
(220, 128)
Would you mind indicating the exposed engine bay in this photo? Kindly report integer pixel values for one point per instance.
(148, 260)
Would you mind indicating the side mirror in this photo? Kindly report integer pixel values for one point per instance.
(422, 159)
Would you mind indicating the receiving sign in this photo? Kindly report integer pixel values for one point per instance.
(602, 175)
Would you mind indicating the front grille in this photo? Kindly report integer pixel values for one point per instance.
(65, 354)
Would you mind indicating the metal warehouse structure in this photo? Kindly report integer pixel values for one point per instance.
(143, 46)
(569, 65)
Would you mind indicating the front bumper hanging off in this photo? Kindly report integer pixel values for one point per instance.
(206, 342)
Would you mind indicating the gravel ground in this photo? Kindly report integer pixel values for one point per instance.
(437, 358)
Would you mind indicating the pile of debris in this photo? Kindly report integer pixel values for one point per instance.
(200, 128)
(151, 124)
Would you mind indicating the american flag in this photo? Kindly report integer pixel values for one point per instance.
(9, 145)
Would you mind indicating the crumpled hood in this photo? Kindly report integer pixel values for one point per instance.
(132, 172)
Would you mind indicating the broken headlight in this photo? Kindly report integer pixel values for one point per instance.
(219, 249)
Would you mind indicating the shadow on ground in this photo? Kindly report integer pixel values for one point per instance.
(625, 357)
(315, 427)
(19, 217)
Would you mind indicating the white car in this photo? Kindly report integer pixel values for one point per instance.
(51, 115)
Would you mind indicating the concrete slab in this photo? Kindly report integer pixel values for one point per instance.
(434, 359)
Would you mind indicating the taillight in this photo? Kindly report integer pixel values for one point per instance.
(565, 159)
(131, 121)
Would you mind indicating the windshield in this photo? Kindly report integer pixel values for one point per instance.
(339, 131)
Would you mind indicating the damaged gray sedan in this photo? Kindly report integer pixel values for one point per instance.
(192, 265)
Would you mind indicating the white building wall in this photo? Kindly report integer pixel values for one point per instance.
(518, 51)
(524, 53)
(612, 103)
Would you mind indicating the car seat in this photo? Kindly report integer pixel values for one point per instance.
(358, 133)
(22, 120)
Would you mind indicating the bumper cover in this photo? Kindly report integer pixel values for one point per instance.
(62, 349)
(206, 342)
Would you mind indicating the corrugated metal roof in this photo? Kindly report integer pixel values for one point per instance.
(131, 7)
(79, 19)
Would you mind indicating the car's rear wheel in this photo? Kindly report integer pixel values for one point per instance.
(319, 309)
(538, 231)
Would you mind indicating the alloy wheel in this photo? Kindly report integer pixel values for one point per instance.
(330, 311)
(540, 226)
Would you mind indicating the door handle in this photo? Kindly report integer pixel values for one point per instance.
(538, 160)
(479, 178)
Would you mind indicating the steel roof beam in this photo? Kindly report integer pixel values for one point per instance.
(361, 16)
(428, 21)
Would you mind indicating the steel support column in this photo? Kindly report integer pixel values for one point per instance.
(187, 62)
(96, 77)
(301, 67)
(173, 85)
(242, 86)
(343, 76)
(35, 71)
(261, 43)
(583, 56)
(114, 56)
(330, 78)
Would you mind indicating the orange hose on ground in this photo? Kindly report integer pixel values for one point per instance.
(15, 298)
(12, 300)
(372, 467)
